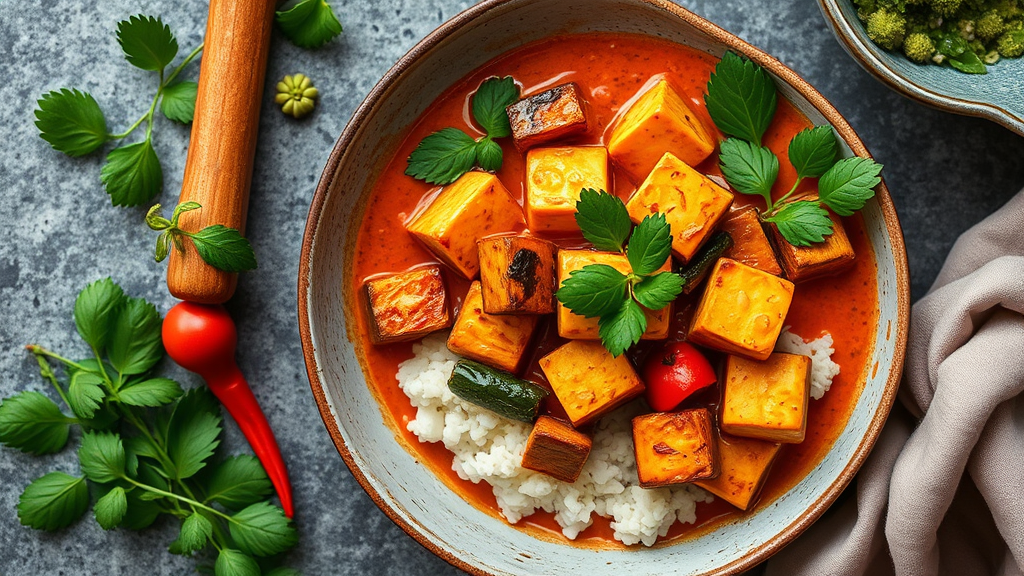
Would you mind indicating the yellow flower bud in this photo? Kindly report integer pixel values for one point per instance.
(296, 95)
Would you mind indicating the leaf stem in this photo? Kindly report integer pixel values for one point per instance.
(40, 351)
(129, 130)
(774, 207)
(46, 371)
(172, 495)
(192, 56)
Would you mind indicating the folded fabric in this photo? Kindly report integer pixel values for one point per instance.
(942, 493)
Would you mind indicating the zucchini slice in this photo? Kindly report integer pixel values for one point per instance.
(497, 391)
(702, 262)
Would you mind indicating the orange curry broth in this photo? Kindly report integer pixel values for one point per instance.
(610, 69)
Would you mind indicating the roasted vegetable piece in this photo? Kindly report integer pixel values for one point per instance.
(691, 202)
(588, 381)
(474, 206)
(674, 372)
(408, 305)
(517, 274)
(766, 400)
(497, 341)
(749, 243)
(703, 261)
(658, 122)
(742, 310)
(675, 447)
(578, 327)
(557, 449)
(556, 113)
(554, 179)
(803, 263)
(745, 465)
(497, 391)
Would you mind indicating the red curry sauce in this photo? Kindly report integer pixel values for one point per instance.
(611, 69)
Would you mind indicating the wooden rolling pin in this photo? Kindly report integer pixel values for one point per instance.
(218, 170)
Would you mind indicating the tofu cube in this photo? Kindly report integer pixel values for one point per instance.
(692, 203)
(749, 243)
(559, 112)
(557, 449)
(554, 179)
(745, 465)
(408, 305)
(588, 381)
(576, 327)
(517, 275)
(803, 263)
(767, 400)
(675, 447)
(742, 310)
(474, 206)
(498, 341)
(658, 122)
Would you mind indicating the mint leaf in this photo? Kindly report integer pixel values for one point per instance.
(309, 23)
(488, 155)
(135, 346)
(147, 42)
(132, 174)
(96, 308)
(239, 482)
(848, 185)
(32, 423)
(192, 433)
(649, 244)
(262, 529)
(594, 290)
(748, 168)
(603, 219)
(224, 248)
(813, 151)
(71, 121)
(234, 563)
(658, 291)
(623, 329)
(442, 157)
(111, 508)
(802, 223)
(178, 102)
(489, 103)
(195, 531)
(85, 394)
(53, 501)
(741, 98)
(152, 392)
(101, 457)
(968, 62)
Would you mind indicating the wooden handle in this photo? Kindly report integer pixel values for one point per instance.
(218, 169)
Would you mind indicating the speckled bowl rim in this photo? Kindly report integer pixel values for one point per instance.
(466, 18)
(856, 47)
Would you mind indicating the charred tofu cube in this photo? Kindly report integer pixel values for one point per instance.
(691, 202)
(408, 305)
(554, 179)
(588, 381)
(802, 263)
(497, 341)
(556, 113)
(745, 465)
(675, 447)
(658, 122)
(767, 400)
(576, 327)
(557, 449)
(474, 206)
(749, 243)
(742, 310)
(517, 275)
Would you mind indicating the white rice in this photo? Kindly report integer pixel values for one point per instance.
(823, 369)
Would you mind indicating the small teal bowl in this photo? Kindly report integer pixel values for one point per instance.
(998, 95)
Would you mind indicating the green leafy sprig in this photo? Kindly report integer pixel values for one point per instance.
(219, 246)
(147, 448)
(309, 23)
(442, 157)
(741, 100)
(599, 291)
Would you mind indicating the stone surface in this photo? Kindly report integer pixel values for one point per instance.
(58, 232)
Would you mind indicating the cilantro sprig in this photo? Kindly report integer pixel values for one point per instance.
(148, 448)
(442, 157)
(741, 100)
(600, 291)
(219, 246)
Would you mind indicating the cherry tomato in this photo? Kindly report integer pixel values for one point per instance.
(673, 373)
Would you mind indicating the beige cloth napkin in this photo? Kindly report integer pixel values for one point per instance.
(943, 491)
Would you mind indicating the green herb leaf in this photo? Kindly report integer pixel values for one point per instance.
(234, 563)
(488, 154)
(623, 329)
(262, 529)
(968, 62)
(309, 23)
(741, 98)
(196, 530)
(132, 174)
(594, 290)
(135, 346)
(224, 248)
(489, 103)
(101, 457)
(748, 168)
(192, 433)
(111, 508)
(658, 291)
(848, 185)
(442, 157)
(53, 501)
(239, 482)
(32, 423)
(178, 102)
(163, 246)
(152, 392)
(603, 219)
(813, 151)
(147, 42)
(71, 121)
(802, 223)
(141, 513)
(85, 394)
(96, 308)
(649, 245)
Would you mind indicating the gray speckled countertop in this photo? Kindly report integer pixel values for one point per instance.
(58, 231)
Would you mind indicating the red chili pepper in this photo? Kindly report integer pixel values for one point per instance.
(675, 372)
(202, 339)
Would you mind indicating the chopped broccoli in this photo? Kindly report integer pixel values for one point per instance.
(919, 47)
(1011, 44)
(946, 7)
(990, 25)
(887, 29)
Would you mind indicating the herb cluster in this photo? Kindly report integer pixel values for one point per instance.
(219, 246)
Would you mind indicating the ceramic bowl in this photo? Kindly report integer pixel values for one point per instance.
(408, 492)
(998, 95)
